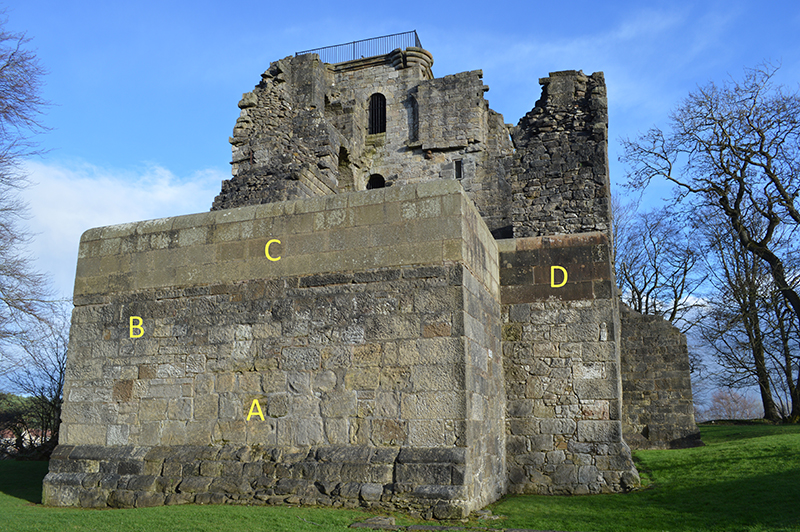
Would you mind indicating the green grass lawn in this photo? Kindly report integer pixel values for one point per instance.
(746, 478)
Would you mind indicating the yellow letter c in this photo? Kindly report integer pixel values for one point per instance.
(266, 250)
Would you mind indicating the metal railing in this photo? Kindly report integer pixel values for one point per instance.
(365, 48)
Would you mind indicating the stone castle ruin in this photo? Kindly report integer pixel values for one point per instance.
(397, 301)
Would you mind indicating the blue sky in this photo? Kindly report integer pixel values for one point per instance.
(144, 93)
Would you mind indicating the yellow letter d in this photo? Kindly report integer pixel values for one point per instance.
(553, 276)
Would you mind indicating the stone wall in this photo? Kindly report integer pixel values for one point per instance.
(561, 353)
(310, 341)
(658, 411)
(560, 181)
(303, 132)
(370, 349)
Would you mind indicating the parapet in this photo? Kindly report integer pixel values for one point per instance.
(431, 222)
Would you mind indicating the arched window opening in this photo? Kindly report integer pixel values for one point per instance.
(376, 181)
(377, 113)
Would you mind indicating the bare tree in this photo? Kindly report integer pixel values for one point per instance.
(657, 262)
(736, 148)
(782, 346)
(728, 404)
(732, 327)
(23, 291)
(40, 378)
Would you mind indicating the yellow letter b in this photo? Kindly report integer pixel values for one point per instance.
(137, 325)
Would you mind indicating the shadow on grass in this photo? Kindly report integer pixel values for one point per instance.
(768, 500)
(23, 480)
(753, 502)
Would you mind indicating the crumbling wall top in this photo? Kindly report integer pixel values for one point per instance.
(562, 176)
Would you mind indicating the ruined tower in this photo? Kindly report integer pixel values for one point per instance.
(397, 301)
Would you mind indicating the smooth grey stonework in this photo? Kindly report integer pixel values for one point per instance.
(420, 318)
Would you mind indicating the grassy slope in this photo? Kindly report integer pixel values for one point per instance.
(746, 478)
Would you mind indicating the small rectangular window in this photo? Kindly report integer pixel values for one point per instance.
(377, 114)
(458, 169)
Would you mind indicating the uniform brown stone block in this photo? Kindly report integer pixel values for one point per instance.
(436, 329)
(123, 391)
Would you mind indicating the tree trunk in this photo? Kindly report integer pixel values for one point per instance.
(794, 388)
(770, 409)
(756, 337)
(794, 416)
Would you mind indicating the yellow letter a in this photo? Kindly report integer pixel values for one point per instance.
(553, 276)
(255, 410)
(136, 326)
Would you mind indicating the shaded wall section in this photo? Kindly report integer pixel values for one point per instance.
(658, 412)
(561, 355)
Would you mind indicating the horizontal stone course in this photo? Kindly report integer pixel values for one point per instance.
(424, 224)
(526, 268)
(251, 473)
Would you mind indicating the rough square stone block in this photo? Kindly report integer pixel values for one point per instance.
(599, 431)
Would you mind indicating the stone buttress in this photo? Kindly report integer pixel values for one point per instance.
(372, 349)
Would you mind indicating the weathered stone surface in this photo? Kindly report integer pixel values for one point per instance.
(657, 406)
(371, 492)
(446, 131)
(378, 523)
(562, 368)
(562, 179)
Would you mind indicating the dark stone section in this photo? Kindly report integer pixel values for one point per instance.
(390, 478)
(657, 407)
(535, 270)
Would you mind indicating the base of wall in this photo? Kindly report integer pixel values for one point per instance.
(428, 482)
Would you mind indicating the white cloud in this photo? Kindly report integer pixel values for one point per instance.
(67, 199)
